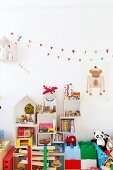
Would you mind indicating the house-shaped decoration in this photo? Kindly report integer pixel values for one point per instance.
(25, 111)
(8, 50)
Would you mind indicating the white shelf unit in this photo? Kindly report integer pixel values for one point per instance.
(72, 108)
(58, 137)
(46, 118)
(67, 125)
(44, 138)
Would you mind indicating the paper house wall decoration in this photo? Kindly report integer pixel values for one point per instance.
(20, 115)
(8, 50)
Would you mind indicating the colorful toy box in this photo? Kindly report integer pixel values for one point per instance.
(72, 152)
(87, 150)
(81, 156)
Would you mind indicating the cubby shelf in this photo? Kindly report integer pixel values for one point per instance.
(47, 114)
(45, 133)
(25, 125)
(63, 117)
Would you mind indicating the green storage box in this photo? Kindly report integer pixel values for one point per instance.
(87, 150)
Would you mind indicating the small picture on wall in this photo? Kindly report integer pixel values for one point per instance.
(95, 80)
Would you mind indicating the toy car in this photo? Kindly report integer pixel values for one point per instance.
(71, 140)
(44, 141)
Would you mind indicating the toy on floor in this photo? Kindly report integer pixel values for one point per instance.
(39, 160)
(56, 164)
(104, 141)
(108, 163)
(100, 140)
(71, 140)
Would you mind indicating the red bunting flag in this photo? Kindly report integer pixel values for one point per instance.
(30, 41)
(107, 50)
(95, 51)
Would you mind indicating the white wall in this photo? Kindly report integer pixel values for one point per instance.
(69, 24)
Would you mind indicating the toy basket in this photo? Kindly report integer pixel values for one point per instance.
(101, 156)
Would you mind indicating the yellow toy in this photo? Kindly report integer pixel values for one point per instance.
(24, 142)
(51, 130)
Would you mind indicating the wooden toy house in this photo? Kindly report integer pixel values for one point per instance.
(25, 124)
(8, 50)
(25, 111)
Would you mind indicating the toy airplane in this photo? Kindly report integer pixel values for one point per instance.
(49, 89)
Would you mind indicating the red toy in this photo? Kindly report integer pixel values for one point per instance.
(20, 132)
(49, 89)
(71, 140)
(8, 159)
(73, 164)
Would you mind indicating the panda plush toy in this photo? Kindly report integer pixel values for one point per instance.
(100, 139)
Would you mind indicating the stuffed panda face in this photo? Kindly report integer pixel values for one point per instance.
(99, 135)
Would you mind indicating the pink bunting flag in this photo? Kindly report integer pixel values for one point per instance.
(96, 51)
(107, 50)
(30, 41)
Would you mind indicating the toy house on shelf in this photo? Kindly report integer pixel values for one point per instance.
(25, 125)
(25, 111)
(71, 101)
(8, 50)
